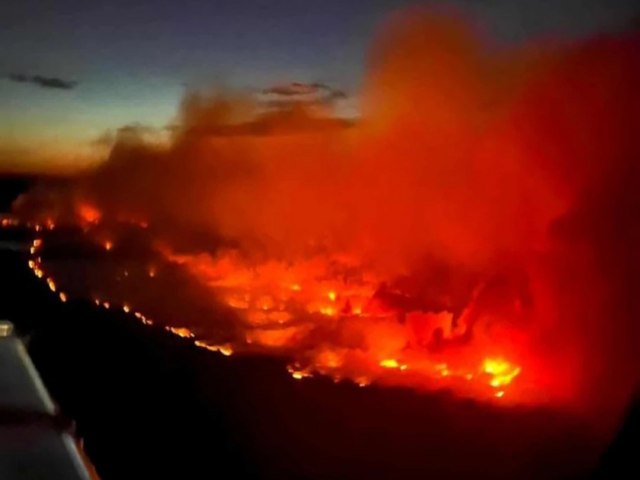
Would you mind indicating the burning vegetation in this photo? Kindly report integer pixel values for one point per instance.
(475, 230)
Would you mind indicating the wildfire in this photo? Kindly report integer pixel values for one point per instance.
(298, 374)
(226, 349)
(433, 243)
(502, 372)
(443, 369)
(389, 363)
(143, 318)
(181, 332)
(88, 213)
(284, 306)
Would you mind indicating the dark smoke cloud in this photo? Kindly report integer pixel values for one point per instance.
(298, 88)
(291, 89)
(287, 96)
(44, 82)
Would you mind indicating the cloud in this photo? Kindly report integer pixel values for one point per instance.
(290, 89)
(44, 82)
(299, 89)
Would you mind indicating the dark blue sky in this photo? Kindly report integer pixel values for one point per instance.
(132, 58)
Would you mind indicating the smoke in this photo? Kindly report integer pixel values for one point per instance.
(467, 161)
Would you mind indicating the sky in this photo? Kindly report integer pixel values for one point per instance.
(72, 70)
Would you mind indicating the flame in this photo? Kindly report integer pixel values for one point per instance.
(389, 363)
(226, 349)
(181, 332)
(88, 213)
(299, 374)
(284, 305)
(502, 372)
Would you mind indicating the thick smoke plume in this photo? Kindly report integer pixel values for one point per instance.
(467, 163)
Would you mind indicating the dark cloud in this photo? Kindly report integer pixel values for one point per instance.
(288, 96)
(296, 89)
(41, 81)
(291, 89)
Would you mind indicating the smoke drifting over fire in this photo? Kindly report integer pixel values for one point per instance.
(497, 188)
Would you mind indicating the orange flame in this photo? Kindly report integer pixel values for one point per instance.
(284, 305)
(88, 213)
(502, 372)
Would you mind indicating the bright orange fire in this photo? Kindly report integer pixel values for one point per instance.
(329, 313)
(88, 213)
(501, 371)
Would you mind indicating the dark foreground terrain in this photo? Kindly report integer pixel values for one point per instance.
(151, 405)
